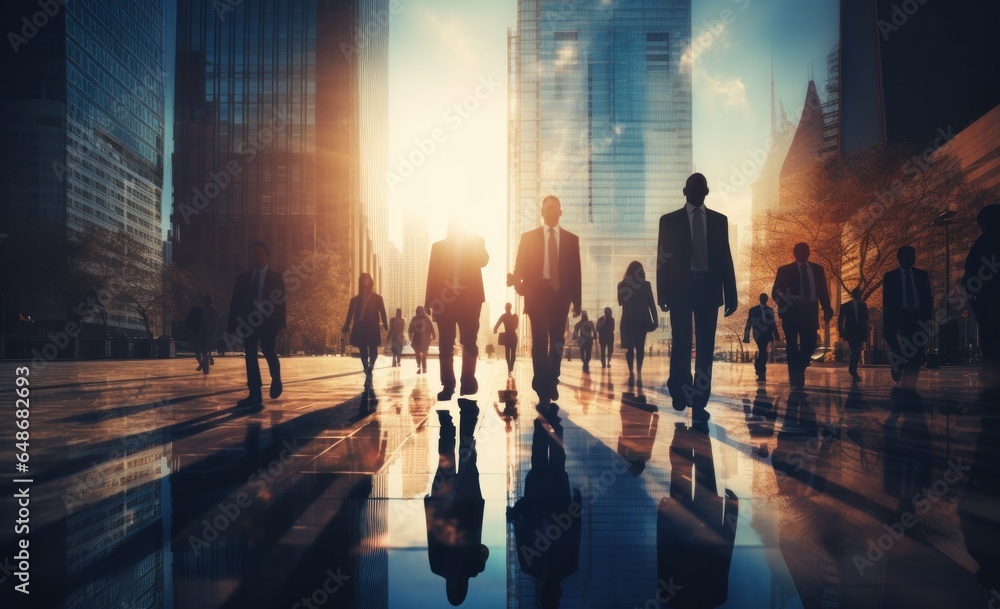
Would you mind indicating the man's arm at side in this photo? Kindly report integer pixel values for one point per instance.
(661, 265)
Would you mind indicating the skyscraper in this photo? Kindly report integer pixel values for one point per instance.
(600, 116)
(81, 141)
(280, 131)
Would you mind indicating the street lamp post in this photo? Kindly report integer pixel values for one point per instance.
(946, 219)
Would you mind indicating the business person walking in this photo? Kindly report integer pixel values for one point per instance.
(764, 326)
(852, 324)
(907, 309)
(798, 287)
(547, 274)
(364, 313)
(509, 336)
(257, 312)
(455, 298)
(694, 277)
(639, 318)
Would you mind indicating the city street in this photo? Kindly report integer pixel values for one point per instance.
(150, 489)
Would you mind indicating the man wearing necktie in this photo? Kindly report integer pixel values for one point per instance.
(547, 274)
(256, 315)
(798, 287)
(455, 297)
(907, 310)
(694, 277)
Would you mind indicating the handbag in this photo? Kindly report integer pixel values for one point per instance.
(502, 339)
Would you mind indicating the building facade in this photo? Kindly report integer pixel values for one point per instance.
(82, 144)
(600, 116)
(280, 132)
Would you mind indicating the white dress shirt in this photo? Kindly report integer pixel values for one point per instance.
(550, 231)
(704, 215)
(257, 281)
(902, 286)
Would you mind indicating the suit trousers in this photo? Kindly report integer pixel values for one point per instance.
(699, 300)
(800, 338)
(266, 341)
(856, 348)
(760, 364)
(906, 339)
(548, 334)
(463, 322)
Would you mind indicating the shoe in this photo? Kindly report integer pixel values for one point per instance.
(761, 379)
(254, 399)
(211, 360)
(471, 387)
(204, 370)
(276, 387)
(631, 381)
(468, 406)
(445, 394)
(700, 414)
(897, 374)
(856, 377)
(425, 369)
(679, 404)
(554, 393)
(198, 369)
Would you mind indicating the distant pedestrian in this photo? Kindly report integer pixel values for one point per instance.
(639, 318)
(365, 312)
(397, 337)
(907, 310)
(584, 332)
(421, 335)
(852, 323)
(763, 324)
(208, 324)
(606, 336)
(508, 338)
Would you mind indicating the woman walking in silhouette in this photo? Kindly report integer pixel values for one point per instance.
(635, 295)
(365, 311)
(397, 332)
(509, 337)
(421, 335)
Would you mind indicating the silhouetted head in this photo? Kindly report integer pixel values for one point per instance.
(458, 589)
(260, 254)
(635, 271)
(583, 316)
(696, 189)
(989, 218)
(801, 252)
(399, 313)
(551, 210)
(763, 299)
(206, 300)
(906, 255)
(550, 593)
(507, 307)
(420, 311)
(365, 284)
(856, 293)
(607, 311)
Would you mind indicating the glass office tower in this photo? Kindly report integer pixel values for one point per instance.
(280, 131)
(600, 116)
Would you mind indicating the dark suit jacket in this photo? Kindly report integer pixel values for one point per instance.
(763, 323)
(853, 327)
(786, 289)
(892, 293)
(272, 307)
(531, 259)
(442, 296)
(673, 261)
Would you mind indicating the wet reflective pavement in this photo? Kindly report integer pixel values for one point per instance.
(151, 490)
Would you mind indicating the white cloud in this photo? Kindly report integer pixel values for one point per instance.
(450, 32)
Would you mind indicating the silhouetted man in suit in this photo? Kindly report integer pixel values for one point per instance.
(982, 288)
(852, 323)
(695, 527)
(455, 296)
(694, 277)
(907, 311)
(763, 323)
(257, 314)
(798, 287)
(547, 274)
(547, 503)
(454, 509)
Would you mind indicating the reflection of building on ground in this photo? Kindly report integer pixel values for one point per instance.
(617, 155)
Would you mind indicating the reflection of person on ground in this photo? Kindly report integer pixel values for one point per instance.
(979, 505)
(547, 275)
(908, 454)
(208, 324)
(548, 505)
(798, 287)
(695, 527)
(257, 312)
(454, 509)
(982, 288)
(584, 332)
(802, 456)
(760, 414)
(606, 336)
(639, 422)
(364, 315)
(907, 309)
(455, 298)
(764, 325)
(397, 332)
(852, 324)
(639, 318)
(509, 337)
(421, 334)
(694, 277)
